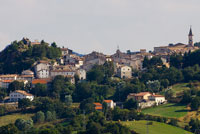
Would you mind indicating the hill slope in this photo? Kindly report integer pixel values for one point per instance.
(156, 128)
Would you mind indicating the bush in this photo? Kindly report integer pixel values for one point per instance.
(39, 117)
(24, 125)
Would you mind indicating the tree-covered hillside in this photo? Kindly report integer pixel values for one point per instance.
(19, 55)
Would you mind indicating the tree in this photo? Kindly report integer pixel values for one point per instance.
(105, 108)
(49, 116)
(173, 122)
(176, 61)
(131, 104)
(153, 86)
(87, 105)
(2, 94)
(9, 129)
(169, 94)
(39, 117)
(164, 83)
(195, 103)
(95, 74)
(15, 85)
(24, 103)
(40, 90)
(68, 100)
(83, 91)
(24, 125)
(186, 97)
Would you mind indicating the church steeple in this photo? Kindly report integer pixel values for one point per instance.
(190, 37)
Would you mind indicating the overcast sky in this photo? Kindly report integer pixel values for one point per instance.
(100, 25)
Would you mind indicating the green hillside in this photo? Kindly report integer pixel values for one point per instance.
(167, 110)
(7, 119)
(156, 128)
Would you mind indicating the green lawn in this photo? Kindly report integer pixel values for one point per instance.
(4, 120)
(167, 110)
(156, 128)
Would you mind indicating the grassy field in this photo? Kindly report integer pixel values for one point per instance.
(167, 110)
(156, 128)
(4, 120)
(178, 88)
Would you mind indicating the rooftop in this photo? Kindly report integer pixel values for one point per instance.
(23, 92)
(40, 81)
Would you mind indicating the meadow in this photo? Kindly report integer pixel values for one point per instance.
(156, 127)
(167, 110)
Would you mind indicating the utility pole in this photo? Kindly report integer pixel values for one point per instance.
(84, 122)
(147, 128)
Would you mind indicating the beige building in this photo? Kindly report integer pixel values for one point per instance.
(124, 72)
(139, 96)
(159, 99)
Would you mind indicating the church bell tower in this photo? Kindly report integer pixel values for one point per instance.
(190, 38)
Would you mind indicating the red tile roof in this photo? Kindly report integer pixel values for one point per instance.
(108, 101)
(140, 94)
(97, 104)
(23, 92)
(158, 95)
(40, 81)
(7, 81)
(98, 108)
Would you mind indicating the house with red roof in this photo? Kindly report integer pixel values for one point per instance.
(98, 106)
(110, 103)
(40, 81)
(139, 96)
(159, 99)
(20, 94)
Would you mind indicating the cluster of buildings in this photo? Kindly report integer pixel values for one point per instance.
(71, 64)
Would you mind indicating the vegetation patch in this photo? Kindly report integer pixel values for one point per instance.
(153, 128)
(167, 110)
(178, 88)
(7, 119)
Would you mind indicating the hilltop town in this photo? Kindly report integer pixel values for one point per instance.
(66, 92)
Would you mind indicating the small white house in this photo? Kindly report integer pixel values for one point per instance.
(110, 103)
(44, 73)
(20, 94)
(42, 69)
(159, 99)
(81, 74)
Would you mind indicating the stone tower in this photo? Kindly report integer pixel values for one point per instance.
(190, 38)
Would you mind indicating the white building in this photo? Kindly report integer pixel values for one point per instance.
(42, 69)
(124, 72)
(44, 73)
(159, 99)
(8, 77)
(66, 72)
(110, 103)
(20, 94)
(81, 74)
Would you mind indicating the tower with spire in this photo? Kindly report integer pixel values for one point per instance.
(190, 37)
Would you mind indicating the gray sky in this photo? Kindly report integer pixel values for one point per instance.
(100, 25)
